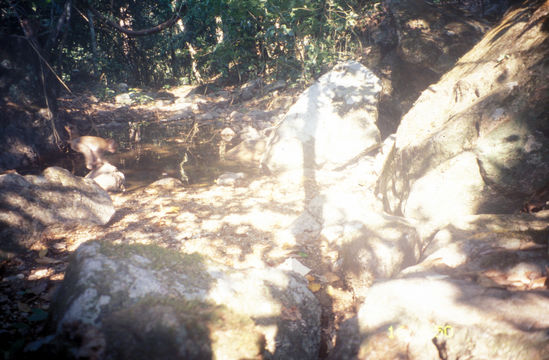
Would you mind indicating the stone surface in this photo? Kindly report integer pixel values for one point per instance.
(347, 220)
(146, 301)
(476, 142)
(123, 99)
(108, 177)
(414, 43)
(250, 89)
(490, 248)
(230, 179)
(433, 37)
(30, 203)
(424, 317)
(331, 123)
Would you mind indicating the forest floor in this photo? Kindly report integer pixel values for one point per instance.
(233, 224)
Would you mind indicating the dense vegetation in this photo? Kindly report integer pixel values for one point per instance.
(166, 42)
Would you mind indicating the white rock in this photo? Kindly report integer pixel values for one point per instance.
(294, 265)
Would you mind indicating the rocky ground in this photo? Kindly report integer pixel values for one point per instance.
(233, 222)
(496, 261)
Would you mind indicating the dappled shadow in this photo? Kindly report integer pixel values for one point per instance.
(151, 312)
(482, 119)
(28, 208)
(501, 279)
(502, 178)
(235, 225)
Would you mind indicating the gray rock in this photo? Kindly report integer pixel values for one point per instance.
(122, 87)
(412, 45)
(277, 85)
(30, 203)
(250, 89)
(248, 153)
(167, 184)
(138, 301)
(123, 99)
(375, 247)
(366, 243)
(332, 122)
(424, 317)
(230, 179)
(490, 248)
(433, 37)
(474, 142)
(227, 134)
(108, 177)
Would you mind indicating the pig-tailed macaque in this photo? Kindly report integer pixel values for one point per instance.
(92, 147)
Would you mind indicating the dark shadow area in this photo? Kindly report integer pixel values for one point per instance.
(408, 81)
(28, 208)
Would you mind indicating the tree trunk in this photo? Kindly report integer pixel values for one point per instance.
(194, 66)
(93, 43)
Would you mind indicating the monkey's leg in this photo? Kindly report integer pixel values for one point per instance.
(89, 156)
(98, 158)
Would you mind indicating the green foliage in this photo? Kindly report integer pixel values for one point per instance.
(234, 39)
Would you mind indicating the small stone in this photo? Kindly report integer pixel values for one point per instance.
(294, 265)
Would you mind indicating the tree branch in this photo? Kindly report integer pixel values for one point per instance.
(143, 32)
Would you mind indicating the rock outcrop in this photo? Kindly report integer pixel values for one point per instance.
(331, 123)
(30, 203)
(415, 43)
(329, 146)
(433, 317)
(465, 159)
(143, 301)
(476, 142)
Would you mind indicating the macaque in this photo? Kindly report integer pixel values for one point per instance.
(92, 147)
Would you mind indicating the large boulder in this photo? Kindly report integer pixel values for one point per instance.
(147, 302)
(378, 246)
(331, 123)
(498, 250)
(434, 317)
(342, 214)
(479, 290)
(476, 142)
(30, 203)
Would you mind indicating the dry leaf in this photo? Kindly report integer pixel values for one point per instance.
(172, 210)
(314, 286)
(330, 290)
(42, 253)
(287, 246)
(539, 283)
